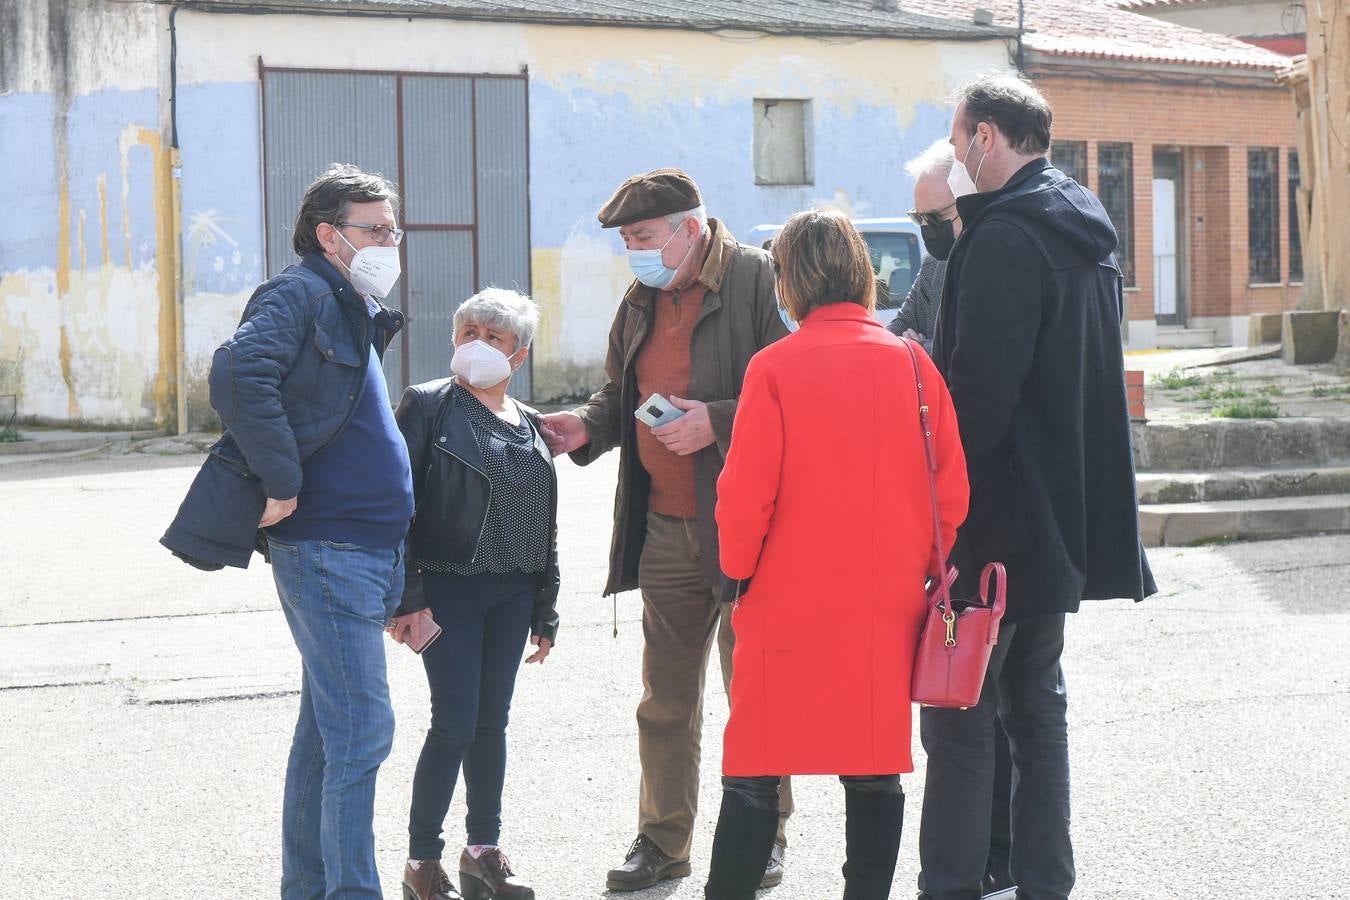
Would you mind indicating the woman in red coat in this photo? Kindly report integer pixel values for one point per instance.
(825, 522)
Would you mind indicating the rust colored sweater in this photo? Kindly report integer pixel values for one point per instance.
(663, 367)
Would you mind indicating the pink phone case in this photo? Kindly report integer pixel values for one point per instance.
(431, 636)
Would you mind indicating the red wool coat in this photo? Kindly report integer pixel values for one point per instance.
(824, 504)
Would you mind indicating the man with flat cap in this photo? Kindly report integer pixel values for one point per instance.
(702, 304)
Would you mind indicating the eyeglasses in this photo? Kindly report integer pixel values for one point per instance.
(932, 219)
(380, 233)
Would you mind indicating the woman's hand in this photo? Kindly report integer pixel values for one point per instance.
(410, 627)
(544, 645)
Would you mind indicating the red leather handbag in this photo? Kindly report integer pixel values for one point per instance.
(957, 636)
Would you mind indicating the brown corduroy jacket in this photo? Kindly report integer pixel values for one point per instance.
(739, 316)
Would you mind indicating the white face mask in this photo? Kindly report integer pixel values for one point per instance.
(959, 180)
(480, 364)
(373, 270)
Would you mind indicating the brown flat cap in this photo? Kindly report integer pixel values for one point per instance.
(649, 195)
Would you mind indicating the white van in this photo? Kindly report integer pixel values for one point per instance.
(896, 248)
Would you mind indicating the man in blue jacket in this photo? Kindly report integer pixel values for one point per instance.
(1028, 339)
(313, 459)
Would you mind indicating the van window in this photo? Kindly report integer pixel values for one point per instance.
(895, 260)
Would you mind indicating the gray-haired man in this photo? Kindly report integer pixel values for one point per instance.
(701, 306)
(935, 213)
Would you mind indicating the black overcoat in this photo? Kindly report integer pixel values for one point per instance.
(1028, 338)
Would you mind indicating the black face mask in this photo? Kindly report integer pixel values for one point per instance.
(938, 239)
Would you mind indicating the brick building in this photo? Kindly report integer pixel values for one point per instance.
(1279, 25)
(1189, 141)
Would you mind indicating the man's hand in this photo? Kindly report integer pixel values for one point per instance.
(689, 433)
(408, 629)
(563, 432)
(914, 335)
(275, 511)
(544, 645)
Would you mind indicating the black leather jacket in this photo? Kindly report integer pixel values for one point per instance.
(453, 495)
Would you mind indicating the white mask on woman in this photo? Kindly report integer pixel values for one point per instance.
(480, 364)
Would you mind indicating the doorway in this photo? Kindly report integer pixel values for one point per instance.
(457, 145)
(1169, 200)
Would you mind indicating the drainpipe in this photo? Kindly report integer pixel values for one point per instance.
(1021, 29)
(175, 163)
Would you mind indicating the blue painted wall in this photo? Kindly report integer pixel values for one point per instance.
(221, 149)
(584, 144)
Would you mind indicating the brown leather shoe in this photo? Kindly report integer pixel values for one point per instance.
(428, 882)
(489, 877)
(645, 866)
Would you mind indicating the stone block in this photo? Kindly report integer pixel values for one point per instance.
(1176, 448)
(1343, 345)
(1264, 328)
(1182, 529)
(1310, 337)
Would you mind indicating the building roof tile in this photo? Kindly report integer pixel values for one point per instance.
(826, 17)
(1097, 29)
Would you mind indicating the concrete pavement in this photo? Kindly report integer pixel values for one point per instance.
(145, 712)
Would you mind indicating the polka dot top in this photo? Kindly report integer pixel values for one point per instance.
(517, 536)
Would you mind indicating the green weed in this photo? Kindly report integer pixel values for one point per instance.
(1220, 390)
(1257, 408)
(1176, 379)
(1218, 540)
(10, 436)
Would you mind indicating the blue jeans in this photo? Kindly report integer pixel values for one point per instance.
(472, 673)
(337, 598)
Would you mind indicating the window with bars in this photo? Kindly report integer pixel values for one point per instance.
(1263, 215)
(1115, 188)
(1070, 157)
(1295, 236)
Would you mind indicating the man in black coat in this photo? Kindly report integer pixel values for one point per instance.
(1028, 338)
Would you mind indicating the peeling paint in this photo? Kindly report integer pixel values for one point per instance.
(100, 343)
(103, 218)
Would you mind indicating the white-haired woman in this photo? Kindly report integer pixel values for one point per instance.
(482, 561)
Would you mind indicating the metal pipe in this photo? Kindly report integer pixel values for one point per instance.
(175, 163)
(1021, 29)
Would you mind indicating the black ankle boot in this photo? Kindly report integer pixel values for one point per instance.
(872, 827)
(741, 848)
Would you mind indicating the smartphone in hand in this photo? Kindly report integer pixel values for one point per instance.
(657, 410)
(423, 634)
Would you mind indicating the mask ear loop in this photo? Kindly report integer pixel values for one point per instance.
(349, 244)
(980, 167)
(686, 253)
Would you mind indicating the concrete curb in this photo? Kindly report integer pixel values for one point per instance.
(1241, 444)
(65, 445)
(1181, 524)
(1240, 484)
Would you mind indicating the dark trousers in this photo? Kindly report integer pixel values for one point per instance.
(471, 669)
(1000, 824)
(1024, 688)
(761, 791)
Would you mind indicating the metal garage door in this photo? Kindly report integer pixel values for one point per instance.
(457, 147)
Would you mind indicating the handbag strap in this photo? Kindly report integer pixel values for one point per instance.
(944, 590)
